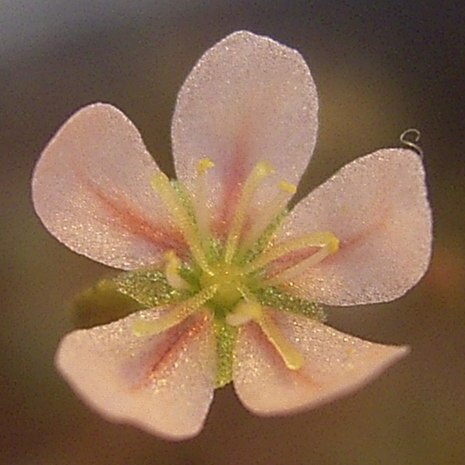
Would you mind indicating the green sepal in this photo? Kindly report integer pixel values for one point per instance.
(225, 340)
(101, 304)
(280, 300)
(148, 287)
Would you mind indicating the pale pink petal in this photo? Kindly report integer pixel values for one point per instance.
(91, 189)
(378, 208)
(248, 99)
(335, 365)
(163, 384)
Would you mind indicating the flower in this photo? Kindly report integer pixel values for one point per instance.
(228, 283)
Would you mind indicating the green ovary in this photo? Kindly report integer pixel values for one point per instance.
(229, 280)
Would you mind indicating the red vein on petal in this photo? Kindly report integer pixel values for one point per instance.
(345, 246)
(233, 176)
(136, 224)
(130, 221)
(167, 354)
(277, 361)
(291, 259)
(235, 173)
(364, 233)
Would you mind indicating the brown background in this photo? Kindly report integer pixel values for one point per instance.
(380, 67)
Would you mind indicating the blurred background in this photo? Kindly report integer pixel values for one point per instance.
(380, 67)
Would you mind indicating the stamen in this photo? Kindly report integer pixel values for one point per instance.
(248, 310)
(173, 264)
(270, 211)
(162, 186)
(293, 271)
(255, 178)
(175, 315)
(291, 357)
(244, 312)
(326, 240)
(201, 205)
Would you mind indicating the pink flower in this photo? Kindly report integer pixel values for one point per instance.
(229, 282)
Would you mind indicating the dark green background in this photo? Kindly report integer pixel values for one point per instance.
(380, 68)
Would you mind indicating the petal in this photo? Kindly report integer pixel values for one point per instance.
(335, 365)
(162, 384)
(378, 208)
(248, 99)
(91, 189)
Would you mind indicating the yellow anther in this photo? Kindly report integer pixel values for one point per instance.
(290, 355)
(175, 315)
(255, 178)
(325, 240)
(161, 184)
(332, 246)
(173, 264)
(287, 187)
(262, 169)
(244, 312)
(171, 256)
(203, 165)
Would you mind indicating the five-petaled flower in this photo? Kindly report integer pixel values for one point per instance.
(227, 281)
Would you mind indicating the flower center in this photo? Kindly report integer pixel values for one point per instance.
(233, 279)
(228, 280)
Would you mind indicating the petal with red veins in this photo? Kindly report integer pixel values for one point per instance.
(335, 364)
(377, 206)
(91, 189)
(163, 384)
(248, 99)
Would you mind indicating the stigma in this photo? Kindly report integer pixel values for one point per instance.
(229, 281)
